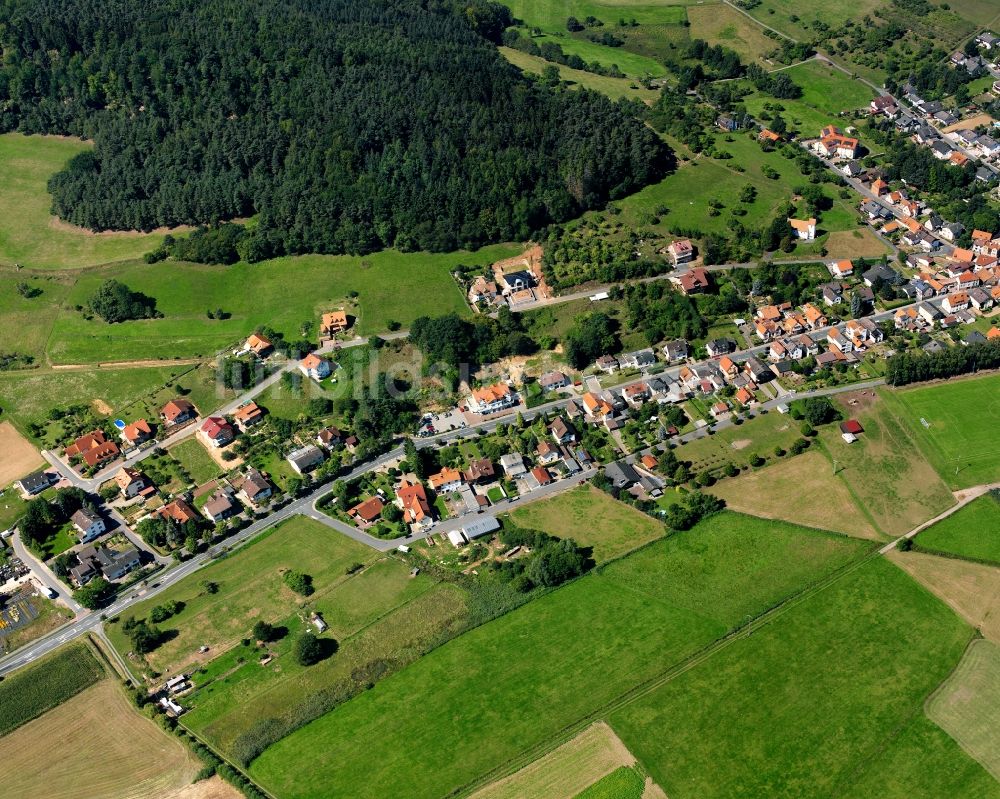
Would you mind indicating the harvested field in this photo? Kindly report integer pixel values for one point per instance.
(565, 772)
(972, 590)
(106, 750)
(802, 490)
(967, 705)
(213, 788)
(19, 456)
(860, 243)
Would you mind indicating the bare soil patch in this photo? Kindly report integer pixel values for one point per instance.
(741, 443)
(102, 407)
(19, 456)
(970, 123)
(213, 788)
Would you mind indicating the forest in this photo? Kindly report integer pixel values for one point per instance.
(341, 125)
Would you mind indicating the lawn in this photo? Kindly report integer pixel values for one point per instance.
(614, 88)
(885, 470)
(486, 698)
(106, 750)
(800, 489)
(721, 24)
(739, 443)
(593, 519)
(195, 458)
(60, 540)
(29, 234)
(968, 704)
(957, 425)
(798, 707)
(972, 532)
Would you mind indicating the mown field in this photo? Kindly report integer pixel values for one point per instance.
(972, 532)
(800, 707)
(29, 234)
(593, 519)
(29, 692)
(614, 88)
(98, 746)
(981, 12)
(505, 687)
(962, 432)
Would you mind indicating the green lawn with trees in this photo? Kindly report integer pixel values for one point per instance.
(972, 532)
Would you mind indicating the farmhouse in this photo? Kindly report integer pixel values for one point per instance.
(492, 399)
(315, 367)
(177, 411)
(88, 524)
(332, 323)
(217, 431)
(305, 459)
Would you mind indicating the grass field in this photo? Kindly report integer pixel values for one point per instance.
(795, 19)
(967, 706)
(195, 458)
(614, 88)
(738, 443)
(973, 532)
(884, 470)
(721, 24)
(962, 434)
(106, 750)
(802, 490)
(502, 688)
(593, 519)
(796, 708)
(972, 590)
(29, 692)
(29, 234)
(622, 783)
(982, 12)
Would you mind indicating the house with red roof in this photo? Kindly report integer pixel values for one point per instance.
(217, 431)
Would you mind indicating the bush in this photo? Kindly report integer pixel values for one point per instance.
(300, 583)
(308, 649)
(262, 631)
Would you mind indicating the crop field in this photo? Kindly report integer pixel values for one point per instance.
(19, 456)
(972, 590)
(593, 519)
(885, 470)
(29, 234)
(195, 458)
(106, 750)
(249, 587)
(799, 706)
(721, 24)
(484, 698)
(968, 704)
(29, 692)
(801, 489)
(957, 425)
(972, 532)
(615, 88)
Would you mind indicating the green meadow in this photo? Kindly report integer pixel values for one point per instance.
(972, 532)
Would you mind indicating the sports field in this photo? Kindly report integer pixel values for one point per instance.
(486, 698)
(29, 234)
(799, 707)
(972, 532)
(593, 519)
(957, 425)
(967, 706)
(106, 750)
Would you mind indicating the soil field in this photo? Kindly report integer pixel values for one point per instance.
(19, 456)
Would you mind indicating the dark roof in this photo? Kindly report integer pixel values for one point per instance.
(621, 474)
(35, 482)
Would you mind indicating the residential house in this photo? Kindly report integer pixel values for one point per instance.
(480, 470)
(136, 433)
(676, 350)
(547, 452)
(720, 410)
(832, 293)
(492, 399)
(332, 323)
(446, 481)
(815, 318)
(745, 397)
(980, 299)
(951, 231)
(254, 488)
(757, 371)
(561, 431)
(550, 381)
(34, 483)
(727, 122)
(621, 474)
(305, 459)
(640, 359)
(315, 367)
(987, 41)
(221, 505)
(957, 158)
(852, 168)
(111, 564)
(538, 477)
(768, 136)
(879, 187)
(777, 351)
(412, 499)
(259, 345)
(720, 346)
(88, 524)
(804, 229)
(973, 337)
(179, 512)
(928, 314)
(93, 448)
(482, 290)
(247, 415)
(177, 411)
(608, 364)
(217, 431)
(958, 301)
(596, 407)
(879, 272)
(366, 513)
(941, 150)
(130, 481)
(841, 269)
(836, 145)
(728, 367)
(513, 465)
(681, 251)
(694, 281)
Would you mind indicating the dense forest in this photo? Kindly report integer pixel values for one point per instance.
(345, 125)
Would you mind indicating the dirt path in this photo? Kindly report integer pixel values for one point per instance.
(67, 367)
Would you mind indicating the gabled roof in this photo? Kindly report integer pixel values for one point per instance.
(137, 431)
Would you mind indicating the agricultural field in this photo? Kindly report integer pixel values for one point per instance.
(593, 519)
(884, 470)
(19, 456)
(46, 683)
(957, 425)
(968, 704)
(29, 234)
(105, 745)
(193, 456)
(495, 694)
(803, 703)
(972, 590)
(972, 532)
(718, 23)
(615, 88)
(802, 490)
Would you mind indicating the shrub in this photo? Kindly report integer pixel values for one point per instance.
(300, 583)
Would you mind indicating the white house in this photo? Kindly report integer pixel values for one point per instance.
(315, 367)
(88, 524)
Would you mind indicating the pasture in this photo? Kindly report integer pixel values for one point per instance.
(19, 456)
(593, 519)
(29, 234)
(957, 425)
(800, 489)
(972, 590)
(968, 704)
(106, 750)
(972, 532)
(615, 88)
(492, 696)
(49, 681)
(797, 708)
(884, 470)
(981, 12)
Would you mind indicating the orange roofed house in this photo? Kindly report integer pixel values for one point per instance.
(492, 399)
(804, 229)
(248, 415)
(446, 480)
(177, 411)
(413, 500)
(179, 512)
(93, 448)
(596, 407)
(332, 323)
(137, 433)
(259, 345)
(366, 513)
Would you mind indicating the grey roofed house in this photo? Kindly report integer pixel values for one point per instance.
(879, 271)
(942, 148)
(220, 506)
(720, 346)
(985, 175)
(676, 350)
(255, 486)
(909, 291)
(933, 346)
(553, 380)
(956, 229)
(974, 337)
(35, 482)
(513, 464)
(621, 474)
(932, 107)
(852, 168)
(115, 565)
(305, 459)
(760, 372)
(639, 358)
(561, 431)
(522, 279)
(946, 117)
(480, 527)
